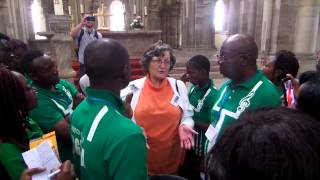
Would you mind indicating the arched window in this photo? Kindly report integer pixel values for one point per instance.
(219, 15)
(37, 19)
(117, 18)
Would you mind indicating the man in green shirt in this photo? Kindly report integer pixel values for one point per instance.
(107, 145)
(201, 96)
(56, 99)
(247, 88)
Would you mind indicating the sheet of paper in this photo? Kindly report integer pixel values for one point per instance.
(41, 157)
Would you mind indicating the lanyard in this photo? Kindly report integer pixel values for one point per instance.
(224, 102)
(198, 107)
(106, 102)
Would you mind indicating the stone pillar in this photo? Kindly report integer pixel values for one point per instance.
(62, 43)
(252, 17)
(198, 25)
(58, 7)
(233, 16)
(266, 26)
(258, 23)
(242, 17)
(275, 27)
(188, 38)
(75, 12)
(306, 28)
(284, 24)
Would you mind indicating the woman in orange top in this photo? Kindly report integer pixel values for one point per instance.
(161, 107)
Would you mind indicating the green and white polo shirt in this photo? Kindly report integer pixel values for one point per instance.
(232, 100)
(107, 145)
(52, 107)
(202, 100)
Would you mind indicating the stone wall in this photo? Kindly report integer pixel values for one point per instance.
(197, 24)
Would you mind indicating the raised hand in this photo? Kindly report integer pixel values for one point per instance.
(186, 136)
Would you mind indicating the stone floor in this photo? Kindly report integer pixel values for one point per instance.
(182, 57)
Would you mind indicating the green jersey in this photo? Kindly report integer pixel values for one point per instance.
(202, 100)
(107, 145)
(233, 99)
(53, 107)
(10, 153)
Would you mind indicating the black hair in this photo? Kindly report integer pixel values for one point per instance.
(13, 109)
(309, 98)
(156, 50)
(199, 62)
(308, 75)
(268, 144)
(5, 49)
(285, 63)
(16, 43)
(27, 60)
(105, 59)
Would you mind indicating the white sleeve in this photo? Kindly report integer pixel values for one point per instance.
(185, 105)
(84, 82)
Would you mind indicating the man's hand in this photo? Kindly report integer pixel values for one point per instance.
(77, 99)
(28, 173)
(186, 136)
(295, 84)
(84, 20)
(67, 171)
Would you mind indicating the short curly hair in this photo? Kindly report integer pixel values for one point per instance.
(156, 50)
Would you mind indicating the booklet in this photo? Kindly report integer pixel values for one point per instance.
(50, 137)
(42, 156)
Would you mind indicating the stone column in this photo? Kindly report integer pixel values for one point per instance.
(252, 17)
(275, 27)
(233, 16)
(306, 28)
(258, 23)
(242, 17)
(266, 26)
(62, 43)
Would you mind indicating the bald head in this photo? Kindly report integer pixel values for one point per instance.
(106, 60)
(242, 44)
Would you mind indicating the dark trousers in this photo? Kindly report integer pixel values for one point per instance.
(192, 166)
(82, 70)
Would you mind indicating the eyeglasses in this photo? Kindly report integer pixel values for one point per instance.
(158, 62)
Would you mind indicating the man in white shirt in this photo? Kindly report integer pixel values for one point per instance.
(84, 33)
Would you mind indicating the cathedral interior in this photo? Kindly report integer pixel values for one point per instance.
(189, 26)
